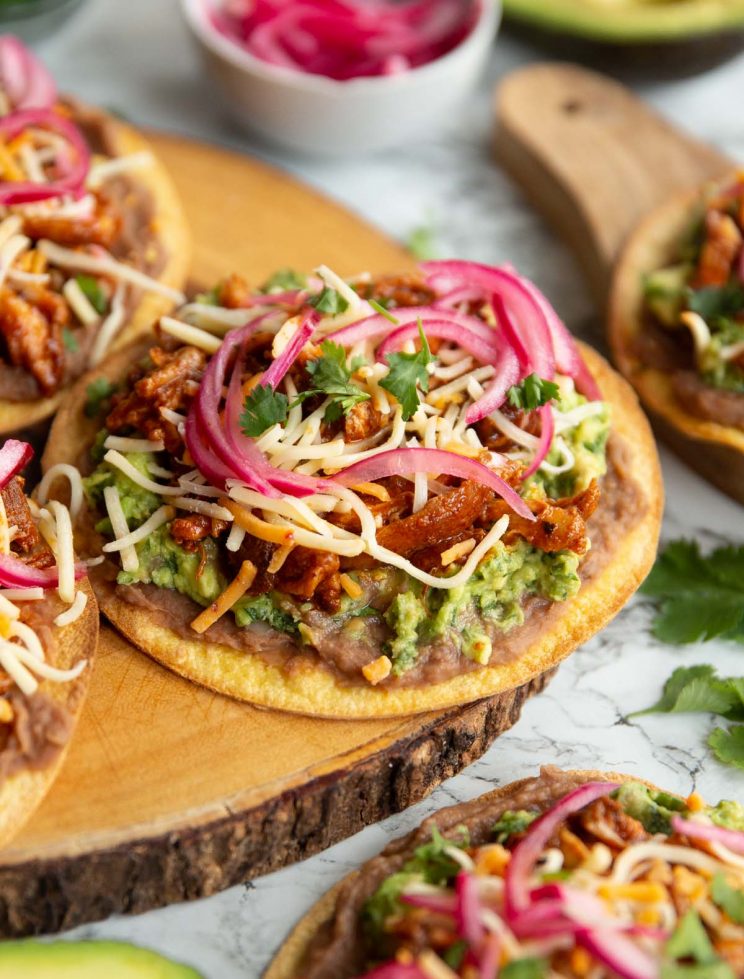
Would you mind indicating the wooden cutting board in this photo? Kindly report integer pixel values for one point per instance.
(593, 158)
(171, 792)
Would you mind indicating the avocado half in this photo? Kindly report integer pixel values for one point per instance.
(86, 960)
(631, 21)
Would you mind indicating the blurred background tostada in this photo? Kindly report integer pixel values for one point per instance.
(93, 242)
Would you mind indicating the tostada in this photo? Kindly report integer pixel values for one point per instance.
(570, 874)
(677, 326)
(362, 498)
(48, 637)
(93, 242)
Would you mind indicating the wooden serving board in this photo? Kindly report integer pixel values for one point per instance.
(171, 792)
(593, 158)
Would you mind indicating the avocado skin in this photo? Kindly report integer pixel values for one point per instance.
(632, 22)
(87, 960)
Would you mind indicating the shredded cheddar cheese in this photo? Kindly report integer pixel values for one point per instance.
(352, 588)
(227, 599)
(378, 670)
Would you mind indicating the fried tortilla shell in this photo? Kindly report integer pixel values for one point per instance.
(334, 918)
(173, 238)
(715, 451)
(22, 791)
(313, 689)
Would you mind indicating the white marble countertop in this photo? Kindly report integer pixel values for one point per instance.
(135, 56)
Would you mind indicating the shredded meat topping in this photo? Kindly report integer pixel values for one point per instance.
(31, 326)
(606, 820)
(560, 525)
(363, 421)
(399, 290)
(723, 240)
(234, 292)
(171, 384)
(191, 530)
(440, 519)
(26, 539)
(101, 228)
(306, 572)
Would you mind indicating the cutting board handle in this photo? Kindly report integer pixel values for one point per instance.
(593, 158)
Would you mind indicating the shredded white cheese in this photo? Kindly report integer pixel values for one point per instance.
(103, 170)
(73, 613)
(191, 335)
(68, 258)
(81, 306)
(129, 559)
(62, 470)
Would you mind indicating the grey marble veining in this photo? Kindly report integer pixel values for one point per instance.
(136, 57)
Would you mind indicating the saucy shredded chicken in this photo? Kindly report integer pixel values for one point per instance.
(31, 326)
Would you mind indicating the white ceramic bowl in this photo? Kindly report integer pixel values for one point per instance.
(321, 116)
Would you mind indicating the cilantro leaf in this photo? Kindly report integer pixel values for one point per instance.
(263, 408)
(454, 956)
(531, 393)
(696, 689)
(332, 378)
(284, 280)
(329, 301)
(713, 302)
(699, 689)
(97, 393)
(511, 822)
(728, 744)
(70, 340)
(690, 941)
(700, 597)
(430, 864)
(729, 899)
(529, 968)
(422, 243)
(93, 292)
(408, 372)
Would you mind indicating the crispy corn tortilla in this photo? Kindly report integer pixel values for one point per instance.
(288, 962)
(21, 793)
(314, 690)
(173, 235)
(714, 450)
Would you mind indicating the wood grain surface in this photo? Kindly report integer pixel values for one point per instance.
(171, 792)
(593, 158)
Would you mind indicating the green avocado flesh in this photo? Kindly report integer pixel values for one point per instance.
(468, 618)
(668, 293)
(86, 960)
(630, 21)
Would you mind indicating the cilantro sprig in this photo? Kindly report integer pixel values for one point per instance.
(408, 373)
(284, 280)
(690, 943)
(532, 392)
(331, 377)
(700, 597)
(729, 899)
(329, 302)
(699, 690)
(263, 407)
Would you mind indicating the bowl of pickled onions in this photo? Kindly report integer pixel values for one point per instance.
(343, 77)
